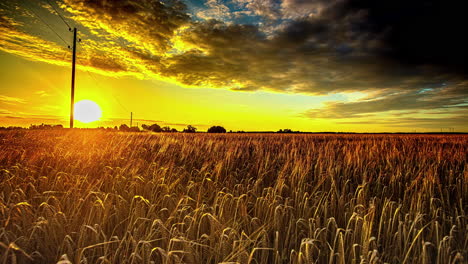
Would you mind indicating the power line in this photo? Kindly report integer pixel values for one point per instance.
(97, 84)
(115, 98)
(56, 11)
(45, 23)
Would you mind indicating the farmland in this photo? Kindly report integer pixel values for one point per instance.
(108, 197)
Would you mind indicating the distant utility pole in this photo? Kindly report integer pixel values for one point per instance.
(131, 118)
(72, 106)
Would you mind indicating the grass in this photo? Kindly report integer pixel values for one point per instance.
(100, 197)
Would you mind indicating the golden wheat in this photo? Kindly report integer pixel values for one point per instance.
(103, 197)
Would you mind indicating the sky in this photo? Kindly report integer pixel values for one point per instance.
(252, 65)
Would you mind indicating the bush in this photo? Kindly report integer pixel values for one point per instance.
(216, 129)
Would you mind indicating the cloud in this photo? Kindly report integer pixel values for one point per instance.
(20, 43)
(106, 59)
(42, 93)
(433, 123)
(284, 9)
(423, 32)
(215, 10)
(36, 118)
(5, 112)
(25, 119)
(148, 24)
(312, 47)
(268, 9)
(444, 100)
(326, 52)
(295, 9)
(11, 100)
(307, 56)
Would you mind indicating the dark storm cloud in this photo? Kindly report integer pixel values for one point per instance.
(417, 32)
(410, 33)
(312, 55)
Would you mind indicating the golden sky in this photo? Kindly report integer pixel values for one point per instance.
(238, 63)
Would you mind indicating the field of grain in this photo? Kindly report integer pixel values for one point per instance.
(108, 197)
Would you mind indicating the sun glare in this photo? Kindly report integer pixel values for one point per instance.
(87, 111)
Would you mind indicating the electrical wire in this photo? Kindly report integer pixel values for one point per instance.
(45, 23)
(58, 35)
(97, 84)
(56, 11)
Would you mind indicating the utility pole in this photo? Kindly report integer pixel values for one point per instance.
(72, 106)
(131, 118)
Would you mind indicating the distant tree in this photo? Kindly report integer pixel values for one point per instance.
(134, 129)
(216, 129)
(45, 126)
(173, 130)
(286, 130)
(166, 129)
(123, 127)
(190, 129)
(153, 127)
(116, 128)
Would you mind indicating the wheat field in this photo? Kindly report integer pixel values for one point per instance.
(108, 197)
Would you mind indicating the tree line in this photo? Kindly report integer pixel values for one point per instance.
(152, 128)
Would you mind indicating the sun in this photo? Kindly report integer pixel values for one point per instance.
(87, 111)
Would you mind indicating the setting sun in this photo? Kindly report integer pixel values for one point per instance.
(87, 111)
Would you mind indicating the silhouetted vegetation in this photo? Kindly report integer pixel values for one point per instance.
(216, 129)
(45, 126)
(11, 128)
(123, 127)
(190, 129)
(158, 128)
(107, 129)
(287, 130)
(153, 128)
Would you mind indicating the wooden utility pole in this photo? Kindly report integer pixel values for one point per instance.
(131, 119)
(72, 106)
